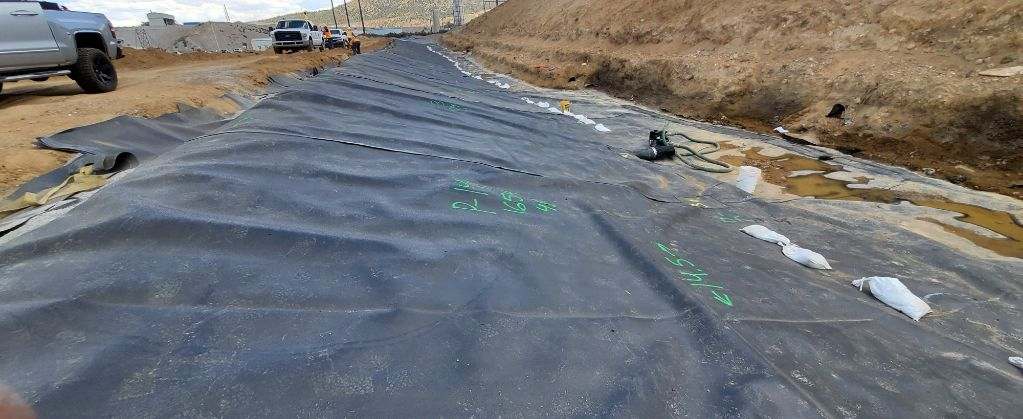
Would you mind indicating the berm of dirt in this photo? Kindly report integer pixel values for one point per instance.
(906, 72)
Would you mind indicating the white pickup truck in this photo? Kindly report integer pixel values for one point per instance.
(41, 39)
(296, 35)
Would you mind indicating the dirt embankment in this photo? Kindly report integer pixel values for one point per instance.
(906, 71)
(151, 83)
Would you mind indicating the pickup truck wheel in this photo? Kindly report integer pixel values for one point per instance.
(278, 50)
(94, 72)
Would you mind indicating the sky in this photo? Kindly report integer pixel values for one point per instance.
(133, 12)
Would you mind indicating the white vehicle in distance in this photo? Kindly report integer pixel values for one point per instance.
(296, 35)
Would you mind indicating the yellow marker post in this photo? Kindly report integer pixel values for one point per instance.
(566, 106)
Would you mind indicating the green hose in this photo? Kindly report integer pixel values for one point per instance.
(722, 167)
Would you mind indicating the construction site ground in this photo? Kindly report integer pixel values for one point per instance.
(411, 234)
(910, 74)
(151, 83)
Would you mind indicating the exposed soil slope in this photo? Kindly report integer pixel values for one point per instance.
(151, 83)
(906, 70)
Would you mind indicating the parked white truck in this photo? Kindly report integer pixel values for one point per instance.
(296, 35)
(41, 39)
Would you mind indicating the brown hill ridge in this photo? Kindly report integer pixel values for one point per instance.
(386, 13)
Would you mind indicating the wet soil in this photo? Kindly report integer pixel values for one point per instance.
(778, 170)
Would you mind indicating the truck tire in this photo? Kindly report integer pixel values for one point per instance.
(310, 46)
(278, 50)
(94, 72)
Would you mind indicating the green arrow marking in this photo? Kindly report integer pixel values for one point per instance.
(722, 298)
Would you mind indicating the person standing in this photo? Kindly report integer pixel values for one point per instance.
(356, 45)
(344, 38)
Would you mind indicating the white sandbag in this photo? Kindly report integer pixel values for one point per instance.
(543, 104)
(601, 128)
(552, 109)
(584, 119)
(766, 234)
(805, 257)
(891, 291)
(1017, 361)
(749, 176)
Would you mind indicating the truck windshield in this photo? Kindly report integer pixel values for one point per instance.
(290, 24)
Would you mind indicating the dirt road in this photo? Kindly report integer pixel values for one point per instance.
(151, 83)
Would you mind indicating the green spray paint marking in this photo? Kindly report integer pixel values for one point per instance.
(447, 105)
(694, 275)
(512, 202)
(466, 186)
(474, 206)
(544, 206)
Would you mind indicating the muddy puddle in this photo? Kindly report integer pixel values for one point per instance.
(777, 170)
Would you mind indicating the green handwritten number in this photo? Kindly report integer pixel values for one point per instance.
(516, 207)
(665, 249)
(466, 186)
(673, 258)
(511, 196)
(694, 276)
(474, 206)
(446, 105)
(513, 202)
(731, 218)
(545, 207)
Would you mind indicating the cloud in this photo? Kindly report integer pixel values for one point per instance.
(130, 13)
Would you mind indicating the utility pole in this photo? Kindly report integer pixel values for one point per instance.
(215, 38)
(362, 18)
(227, 17)
(333, 13)
(347, 17)
(456, 12)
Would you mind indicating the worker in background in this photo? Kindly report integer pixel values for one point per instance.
(354, 42)
(344, 38)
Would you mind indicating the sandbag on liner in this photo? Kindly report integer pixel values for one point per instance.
(891, 291)
(766, 234)
(805, 257)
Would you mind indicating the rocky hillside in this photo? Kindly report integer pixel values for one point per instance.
(387, 13)
(208, 36)
(908, 72)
